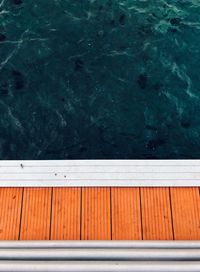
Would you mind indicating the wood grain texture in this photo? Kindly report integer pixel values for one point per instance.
(36, 211)
(66, 205)
(10, 211)
(126, 214)
(186, 213)
(99, 213)
(96, 214)
(156, 214)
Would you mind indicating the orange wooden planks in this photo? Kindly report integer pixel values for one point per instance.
(186, 213)
(36, 212)
(66, 204)
(126, 214)
(99, 213)
(10, 211)
(96, 214)
(156, 214)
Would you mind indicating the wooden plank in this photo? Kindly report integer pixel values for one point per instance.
(66, 206)
(126, 214)
(10, 211)
(156, 214)
(96, 214)
(36, 211)
(186, 213)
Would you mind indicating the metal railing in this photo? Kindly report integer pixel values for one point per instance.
(96, 256)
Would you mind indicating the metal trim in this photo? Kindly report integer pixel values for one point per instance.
(81, 173)
(59, 244)
(100, 256)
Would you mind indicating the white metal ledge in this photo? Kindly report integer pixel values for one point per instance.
(80, 173)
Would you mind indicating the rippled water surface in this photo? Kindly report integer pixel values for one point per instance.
(97, 79)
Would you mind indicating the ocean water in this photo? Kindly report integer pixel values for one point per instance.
(99, 79)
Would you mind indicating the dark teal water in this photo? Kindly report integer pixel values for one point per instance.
(105, 79)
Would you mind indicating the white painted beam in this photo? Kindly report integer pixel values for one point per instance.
(76, 173)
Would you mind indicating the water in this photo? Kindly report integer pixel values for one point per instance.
(102, 79)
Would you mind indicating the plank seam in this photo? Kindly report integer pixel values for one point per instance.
(111, 214)
(51, 210)
(141, 221)
(21, 213)
(81, 213)
(171, 213)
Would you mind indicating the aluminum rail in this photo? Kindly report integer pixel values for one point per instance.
(101, 173)
(102, 244)
(99, 266)
(101, 254)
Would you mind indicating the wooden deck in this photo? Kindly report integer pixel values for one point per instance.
(99, 213)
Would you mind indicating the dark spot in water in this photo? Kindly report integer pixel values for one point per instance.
(16, 73)
(2, 37)
(19, 84)
(101, 7)
(150, 20)
(185, 124)
(154, 15)
(150, 157)
(82, 149)
(4, 89)
(123, 47)
(17, 2)
(18, 80)
(175, 21)
(145, 57)
(150, 127)
(173, 30)
(109, 3)
(155, 143)
(144, 30)
(142, 80)
(122, 19)
(78, 64)
(63, 99)
(158, 86)
(112, 22)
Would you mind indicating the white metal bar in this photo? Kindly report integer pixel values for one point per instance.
(101, 244)
(72, 173)
(15, 266)
(102, 254)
